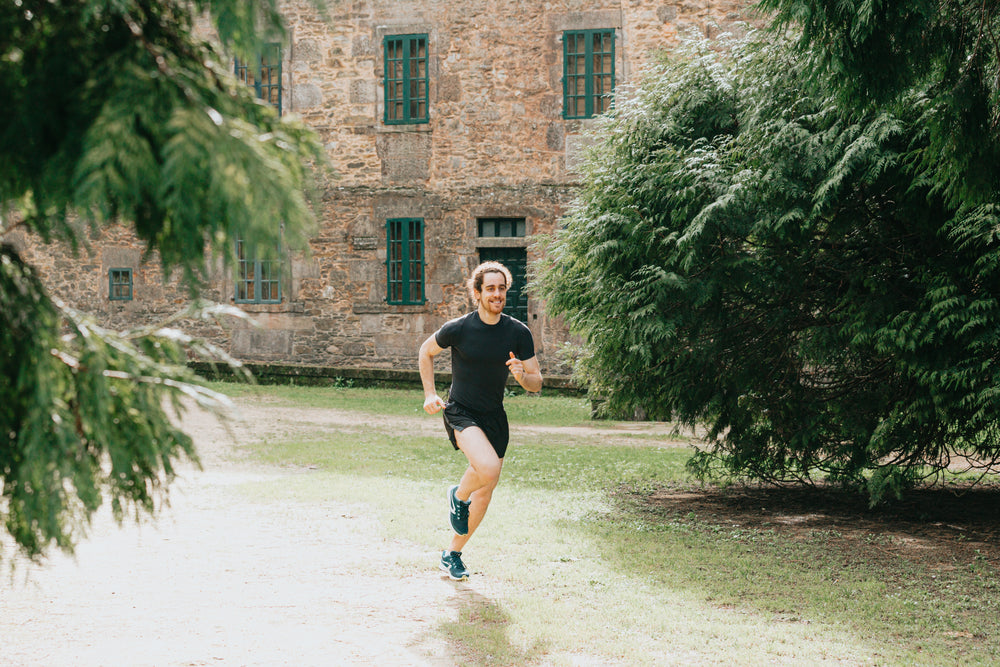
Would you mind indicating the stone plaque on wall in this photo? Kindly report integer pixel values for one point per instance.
(365, 242)
(262, 343)
(405, 156)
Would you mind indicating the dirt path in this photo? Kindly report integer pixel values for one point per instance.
(220, 581)
(223, 579)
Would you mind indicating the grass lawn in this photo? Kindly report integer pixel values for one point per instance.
(605, 550)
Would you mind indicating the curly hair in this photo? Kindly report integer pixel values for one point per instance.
(475, 283)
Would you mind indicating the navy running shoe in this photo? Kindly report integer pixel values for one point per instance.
(458, 512)
(451, 562)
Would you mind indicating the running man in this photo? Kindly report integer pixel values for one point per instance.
(485, 345)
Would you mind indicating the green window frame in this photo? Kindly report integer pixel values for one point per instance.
(264, 75)
(501, 227)
(406, 79)
(588, 72)
(404, 261)
(120, 284)
(257, 280)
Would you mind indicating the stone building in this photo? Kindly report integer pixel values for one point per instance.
(453, 129)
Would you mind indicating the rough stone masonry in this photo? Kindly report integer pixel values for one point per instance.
(495, 145)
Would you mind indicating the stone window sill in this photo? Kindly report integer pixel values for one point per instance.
(284, 307)
(403, 128)
(379, 308)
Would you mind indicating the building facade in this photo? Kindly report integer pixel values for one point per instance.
(453, 130)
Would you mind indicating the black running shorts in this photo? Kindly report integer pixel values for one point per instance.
(493, 424)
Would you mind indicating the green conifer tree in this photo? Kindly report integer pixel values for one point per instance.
(117, 112)
(751, 254)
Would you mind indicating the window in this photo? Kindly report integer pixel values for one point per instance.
(264, 75)
(405, 79)
(501, 227)
(120, 284)
(589, 74)
(405, 261)
(257, 280)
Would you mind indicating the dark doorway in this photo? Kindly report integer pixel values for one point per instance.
(515, 259)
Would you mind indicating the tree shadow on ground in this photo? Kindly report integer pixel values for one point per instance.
(480, 633)
(927, 525)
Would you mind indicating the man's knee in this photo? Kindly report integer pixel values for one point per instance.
(490, 473)
(487, 472)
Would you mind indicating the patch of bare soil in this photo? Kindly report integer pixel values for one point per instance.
(937, 527)
(622, 434)
(223, 577)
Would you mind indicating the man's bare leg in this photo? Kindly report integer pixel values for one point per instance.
(479, 480)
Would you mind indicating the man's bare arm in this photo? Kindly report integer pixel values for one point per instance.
(425, 362)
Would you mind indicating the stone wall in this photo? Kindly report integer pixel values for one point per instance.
(496, 145)
(495, 82)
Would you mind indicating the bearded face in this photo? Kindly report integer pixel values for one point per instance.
(493, 296)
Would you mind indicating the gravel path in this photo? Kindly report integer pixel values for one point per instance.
(218, 580)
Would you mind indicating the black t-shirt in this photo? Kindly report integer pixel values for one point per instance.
(479, 354)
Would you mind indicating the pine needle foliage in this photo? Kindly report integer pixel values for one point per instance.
(750, 255)
(944, 55)
(116, 113)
